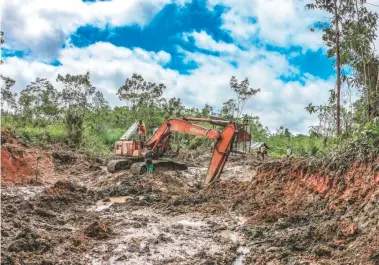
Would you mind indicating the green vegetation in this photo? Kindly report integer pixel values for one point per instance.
(79, 116)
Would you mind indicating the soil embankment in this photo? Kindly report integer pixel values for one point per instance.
(277, 212)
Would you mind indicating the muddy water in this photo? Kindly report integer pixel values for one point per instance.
(243, 251)
(121, 199)
(145, 236)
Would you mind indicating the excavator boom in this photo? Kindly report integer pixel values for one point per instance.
(222, 147)
(159, 142)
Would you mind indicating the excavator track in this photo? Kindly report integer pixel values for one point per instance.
(159, 165)
(122, 164)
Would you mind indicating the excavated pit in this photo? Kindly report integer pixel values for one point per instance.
(275, 212)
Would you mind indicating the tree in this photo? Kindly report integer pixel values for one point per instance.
(41, 99)
(8, 98)
(173, 108)
(1, 42)
(228, 108)
(137, 92)
(99, 116)
(243, 91)
(348, 36)
(331, 37)
(99, 103)
(76, 95)
(206, 111)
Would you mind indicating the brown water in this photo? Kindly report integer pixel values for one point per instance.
(111, 200)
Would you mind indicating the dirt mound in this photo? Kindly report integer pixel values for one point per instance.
(20, 162)
(98, 230)
(25, 164)
(63, 193)
(301, 210)
(29, 241)
(161, 187)
(41, 229)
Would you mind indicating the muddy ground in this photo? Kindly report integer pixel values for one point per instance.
(276, 212)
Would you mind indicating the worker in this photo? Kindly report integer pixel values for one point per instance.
(262, 151)
(149, 161)
(289, 152)
(141, 130)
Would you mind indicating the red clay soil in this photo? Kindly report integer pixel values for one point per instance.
(19, 161)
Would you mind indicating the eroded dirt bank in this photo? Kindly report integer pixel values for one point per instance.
(278, 212)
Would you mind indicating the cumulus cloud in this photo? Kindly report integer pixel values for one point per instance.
(205, 41)
(42, 26)
(276, 22)
(278, 103)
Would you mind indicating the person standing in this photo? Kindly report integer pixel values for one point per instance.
(149, 161)
(141, 130)
(289, 152)
(262, 151)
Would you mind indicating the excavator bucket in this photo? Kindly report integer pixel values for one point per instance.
(221, 152)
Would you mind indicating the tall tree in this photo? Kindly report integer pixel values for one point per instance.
(331, 37)
(76, 95)
(229, 108)
(8, 98)
(348, 35)
(173, 107)
(137, 92)
(243, 91)
(40, 98)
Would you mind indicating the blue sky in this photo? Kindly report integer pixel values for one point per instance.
(194, 47)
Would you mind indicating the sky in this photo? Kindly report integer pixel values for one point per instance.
(193, 47)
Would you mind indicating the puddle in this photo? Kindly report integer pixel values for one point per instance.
(99, 208)
(242, 251)
(227, 234)
(191, 223)
(143, 212)
(104, 204)
(121, 199)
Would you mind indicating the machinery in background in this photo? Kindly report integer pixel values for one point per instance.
(132, 152)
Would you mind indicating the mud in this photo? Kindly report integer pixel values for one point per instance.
(273, 212)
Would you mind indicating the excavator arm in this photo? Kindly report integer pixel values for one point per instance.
(222, 147)
(178, 125)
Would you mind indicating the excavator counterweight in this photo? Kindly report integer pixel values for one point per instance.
(133, 151)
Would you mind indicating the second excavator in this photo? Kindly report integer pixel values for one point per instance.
(133, 151)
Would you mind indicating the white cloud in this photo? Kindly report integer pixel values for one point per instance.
(43, 25)
(277, 22)
(205, 41)
(278, 103)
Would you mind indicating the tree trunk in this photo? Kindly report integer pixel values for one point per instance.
(368, 95)
(377, 82)
(338, 62)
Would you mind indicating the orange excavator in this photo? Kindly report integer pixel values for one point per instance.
(133, 151)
